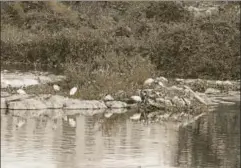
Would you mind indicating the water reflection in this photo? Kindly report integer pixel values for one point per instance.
(97, 142)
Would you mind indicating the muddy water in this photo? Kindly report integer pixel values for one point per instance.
(117, 142)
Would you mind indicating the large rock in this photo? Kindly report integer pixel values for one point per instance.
(73, 104)
(55, 102)
(29, 104)
(17, 97)
(116, 104)
(155, 104)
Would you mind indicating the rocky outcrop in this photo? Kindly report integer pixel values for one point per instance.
(31, 102)
(116, 104)
(158, 97)
(73, 104)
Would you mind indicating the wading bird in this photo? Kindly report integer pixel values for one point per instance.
(73, 91)
(56, 87)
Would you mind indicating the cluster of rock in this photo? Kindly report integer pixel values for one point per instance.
(159, 98)
(179, 98)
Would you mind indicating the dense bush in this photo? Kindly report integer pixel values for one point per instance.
(88, 36)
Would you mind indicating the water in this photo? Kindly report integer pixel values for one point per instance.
(117, 142)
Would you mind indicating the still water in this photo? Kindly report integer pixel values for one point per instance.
(117, 142)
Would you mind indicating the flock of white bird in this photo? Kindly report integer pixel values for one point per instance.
(56, 88)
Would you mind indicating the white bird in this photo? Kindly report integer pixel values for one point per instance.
(149, 81)
(72, 122)
(108, 98)
(56, 87)
(73, 91)
(21, 91)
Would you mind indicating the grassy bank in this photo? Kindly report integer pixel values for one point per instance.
(108, 46)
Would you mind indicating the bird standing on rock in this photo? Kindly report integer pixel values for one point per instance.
(56, 87)
(73, 91)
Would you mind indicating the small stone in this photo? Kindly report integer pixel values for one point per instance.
(136, 99)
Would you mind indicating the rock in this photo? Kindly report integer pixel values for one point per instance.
(179, 80)
(29, 113)
(29, 104)
(175, 88)
(212, 91)
(17, 97)
(136, 116)
(116, 104)
(219, 83)
(3, 103)
(136, 99)
(108, 98)
(178, 101)
(148, 82)
(152, 114)
(85, 112)
(72, 104)
(227, 83)
(166, 102)
(55, 102)
(116, 111)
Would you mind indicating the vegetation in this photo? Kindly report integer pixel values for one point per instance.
(104, 47)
